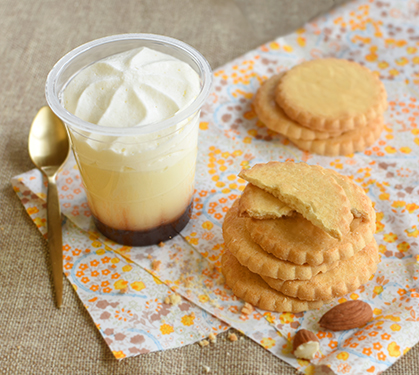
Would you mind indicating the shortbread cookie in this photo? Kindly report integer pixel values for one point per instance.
(253, 289)
(260, 204)
(306, 189)
(299, 241)
(331, 95)
(252, 256)
(347, 143)
(274, 117)
(348, 276)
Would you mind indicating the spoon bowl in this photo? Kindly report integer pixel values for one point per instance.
(49, 148)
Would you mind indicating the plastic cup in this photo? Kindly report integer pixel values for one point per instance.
(139, 181)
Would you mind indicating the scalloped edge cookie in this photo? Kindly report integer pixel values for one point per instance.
(253, 289)
(347, 143)
(274, 117)
(252, 256)
(351, 92)
(348, 276)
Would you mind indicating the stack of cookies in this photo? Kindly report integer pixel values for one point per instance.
(298, 237)
(326, 106)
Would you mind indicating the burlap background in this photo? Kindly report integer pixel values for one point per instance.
(35, 338)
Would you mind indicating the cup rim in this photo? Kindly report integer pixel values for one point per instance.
(76, 122)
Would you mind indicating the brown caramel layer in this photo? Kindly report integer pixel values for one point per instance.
(148, 237)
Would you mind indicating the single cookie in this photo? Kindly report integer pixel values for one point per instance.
(259, 204)
(348, 276)
(331, 95)
(304, 188)
(252, 256)
(274, 117)
(297, 240)
(251, 288)
(346, 143)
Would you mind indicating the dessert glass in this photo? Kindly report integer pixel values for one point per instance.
(139, 181)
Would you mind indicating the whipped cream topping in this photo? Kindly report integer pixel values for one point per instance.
(133, 88)
(135, 182)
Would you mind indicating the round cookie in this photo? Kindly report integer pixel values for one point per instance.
(253, 289)
(252, 256)
(348, 276)
(331, 95)
(347, 143)
(274, 117)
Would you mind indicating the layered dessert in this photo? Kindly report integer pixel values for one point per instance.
(139, 187)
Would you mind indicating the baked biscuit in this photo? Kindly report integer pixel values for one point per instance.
(253, 289)
(347, 143)
(331, 95)
(348, 276)
(304, 188)
(274, 117)
(260, 204)
(252, 256)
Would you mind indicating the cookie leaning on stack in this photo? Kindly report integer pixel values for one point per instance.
(326, 106)
(298, 237)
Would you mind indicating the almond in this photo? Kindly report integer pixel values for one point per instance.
(347, 315)
(305, 344)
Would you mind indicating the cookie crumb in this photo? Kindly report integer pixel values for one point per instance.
(149, 256)
(247, 309)
(188, 283)
(173, 299)
(214, 303)
(221, 280)
(155, 265)
(124, 290)
(232, 337)
(203, 343)
(207, 369)
(212, 338)
(161, 244)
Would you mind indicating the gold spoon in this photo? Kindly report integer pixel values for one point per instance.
(49, 148)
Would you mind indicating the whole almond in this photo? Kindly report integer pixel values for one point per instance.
(305, 344)
(347, 315)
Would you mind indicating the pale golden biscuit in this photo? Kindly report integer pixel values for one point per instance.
(331, 95)
(251, 288)
(274, 117)
(348, 276)
(297, 240)
(252, 256)
(260, 204)
(346, 143)
(306, 189)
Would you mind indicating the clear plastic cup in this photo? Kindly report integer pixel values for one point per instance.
(139, 181)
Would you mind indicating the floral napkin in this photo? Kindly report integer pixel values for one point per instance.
(125, 289)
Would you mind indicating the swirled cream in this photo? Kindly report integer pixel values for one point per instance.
(143, 182)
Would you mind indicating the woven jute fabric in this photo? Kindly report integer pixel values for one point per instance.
(35, 337)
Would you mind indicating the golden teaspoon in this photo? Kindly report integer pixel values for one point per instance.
(49, 148)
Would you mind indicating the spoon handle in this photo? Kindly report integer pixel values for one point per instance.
(55, 239)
